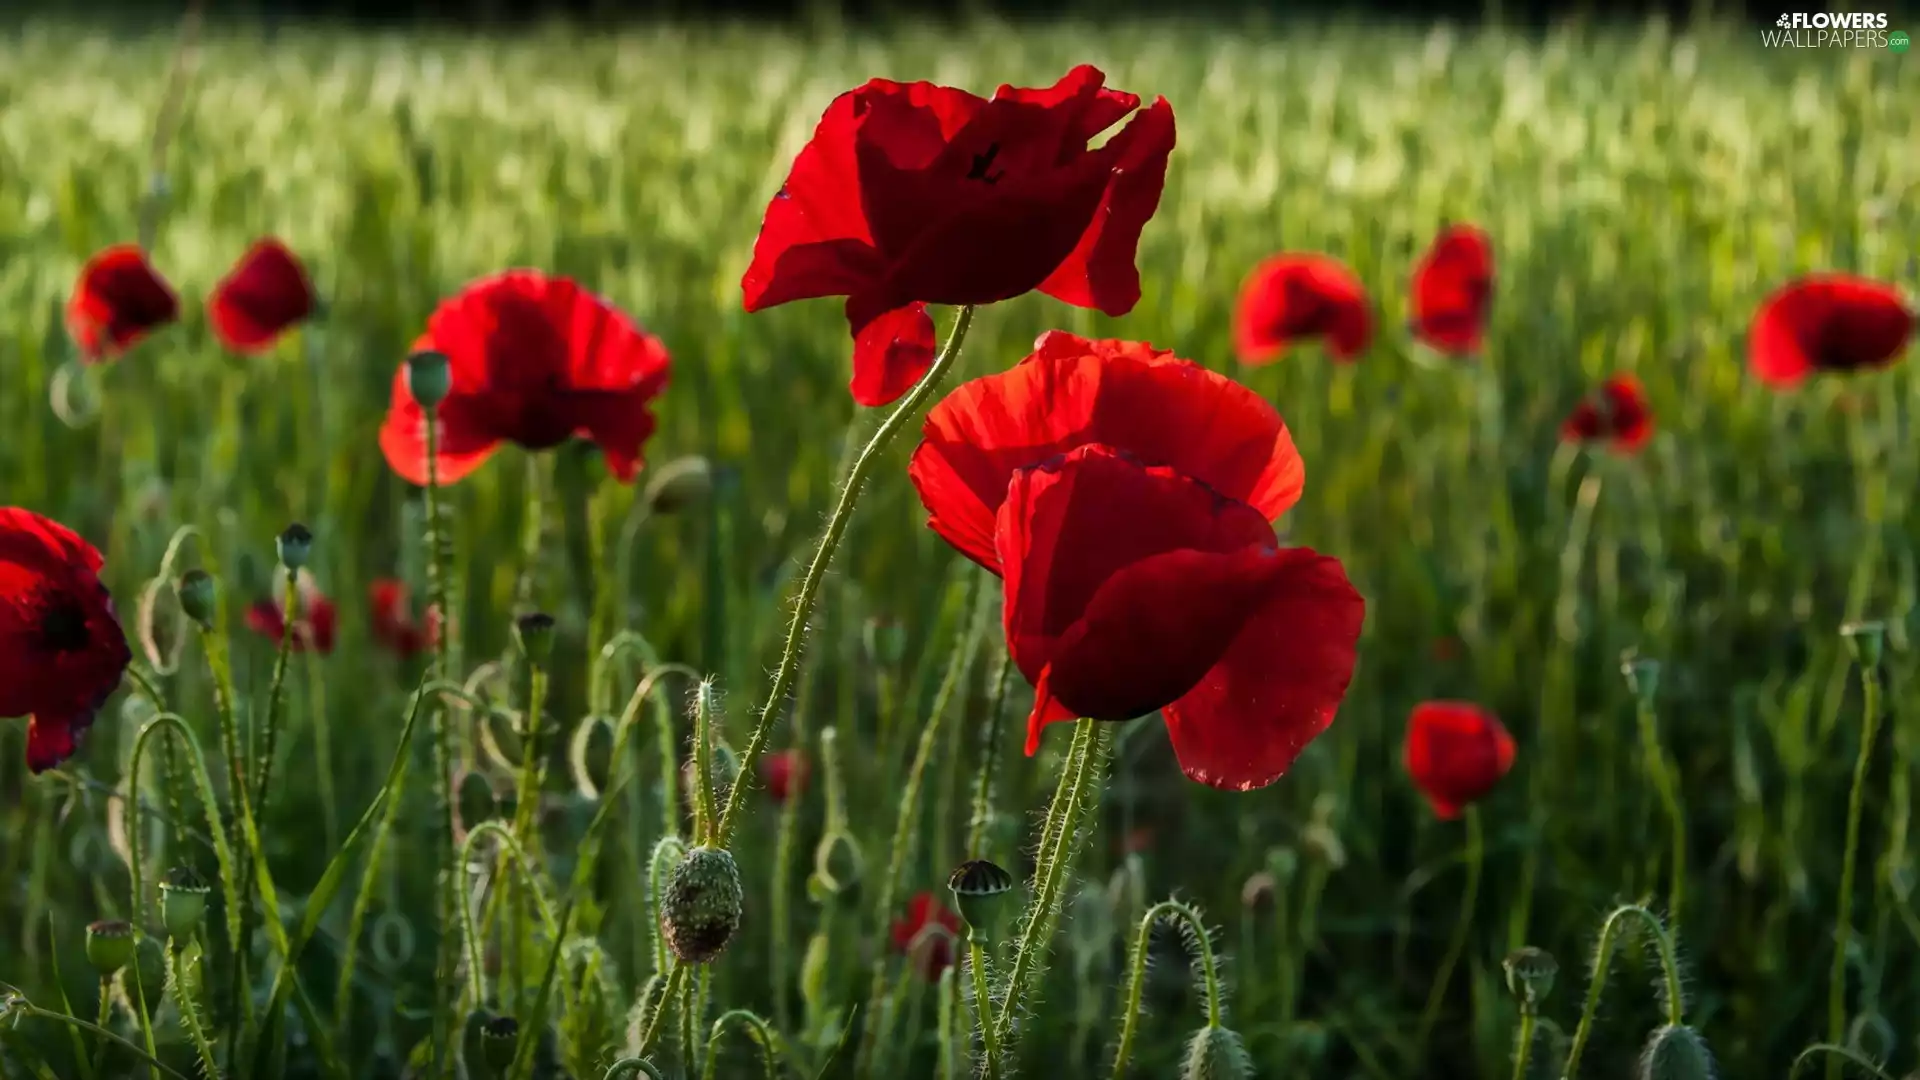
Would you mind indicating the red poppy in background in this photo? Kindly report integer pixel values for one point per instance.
(313, 625)
(934, 954)
(1616, 415)
(119, 299)
(1126, 496)
(1072, 392)
(1294, 297)
(394, 626)
(263, 296)
(1456, 752)
(535, 360)
(785, 773)
(1453, 291)
(1827, 322)
(911, 194)
(62, 652)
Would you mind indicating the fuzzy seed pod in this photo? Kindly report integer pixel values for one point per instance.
(1216, 1053)
(183, 902)
(109, 946)
(701, 909)
(978, 886)
(1676, 1053)
(679, 484)
(295, 545)
(1530, 974)
(195, 591)
(429, 378)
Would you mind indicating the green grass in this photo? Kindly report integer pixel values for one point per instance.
(1644, 191)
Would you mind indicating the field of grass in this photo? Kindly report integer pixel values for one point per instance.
(1644, 190)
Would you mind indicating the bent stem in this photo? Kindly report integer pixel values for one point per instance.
(1661, 773)
(26, 1008)
(817, 570)
(1523, 1052)
(756, 1027)
(1603, 962)
(1469, 895)
(1843, 922)
(1172, 911)
(983, 1007)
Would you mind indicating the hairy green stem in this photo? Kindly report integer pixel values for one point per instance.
(676, 978)
(1660, 771)
(1835, 1053)
(444, 806)
(185, 990)
(105, 1017)
(763, 1037)
(1469, 896)
(1172, 911)
(703, 813)
(1603, 962)
(1843, 921)
(632, 1066)
(270, 726)
(981, 820)
(1523, 1050)
(817, 570)
(983, 1008)
(25, 1008)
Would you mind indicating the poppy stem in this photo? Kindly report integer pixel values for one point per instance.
(1469, 896)
(703, 813)
(1659, 770)
(1523, 1043)
(676, 978)
(983, 1008)
(270, 726)
(783, 677)
(763, 1037)
(1168, 911)
(1603, 962)
(1843, 922)
(982, 818)
(444, 807)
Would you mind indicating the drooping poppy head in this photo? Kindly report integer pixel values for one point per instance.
(535, 360)
(1827, 323)
(1295, 297)
(785, 773)
(62, 652)
(1456, 752)
(1616, 415)
(1453, 291)
(119, 299)
(911, 194)
(263, 296)
(1072, 392)
(926, 935)
(393, 622)
(315, 619)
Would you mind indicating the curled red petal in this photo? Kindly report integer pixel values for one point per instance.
(1455, 753)
(118, 300)
(1827, 323)
(890, 354)
(265, 294)
(1101, 272)
(1301, 296)
(1453, 291)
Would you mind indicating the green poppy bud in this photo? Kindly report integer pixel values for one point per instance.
(295, 545)
(109, 946)
(701, 908)
(978, 888)
(499, 1038)
(429, 378)
(534, 634)
(1530, 974)
(679, 484)
(183, 902)
(837, 865)
(1216, 1053)
(195, 590)
(1257, 892)
(1676, 1052)
(1865, 640)
(1642, 674)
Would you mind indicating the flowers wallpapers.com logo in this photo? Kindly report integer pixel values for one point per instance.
(1826, 30)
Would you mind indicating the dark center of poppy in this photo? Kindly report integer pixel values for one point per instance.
(63, 627)
(983, 162)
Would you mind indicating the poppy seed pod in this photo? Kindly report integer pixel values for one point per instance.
(1216, 1053)
(1865, 641)
(1530, 974)
(1676, 1052)
(499, 1037)
(195, 590)
(679, 484)
(429, 378)
(701, 908)
(295, 546)
(978, 886)
(534, 634)
(1642, 674)
(109, 946)
(183, 902)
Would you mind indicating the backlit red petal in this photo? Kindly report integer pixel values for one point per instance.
(264, 295)
(1456, 753)
(890, 354)
(1453, 290)
(1302, 296)
(1101, 272)
(118, 300)
(1827, 322)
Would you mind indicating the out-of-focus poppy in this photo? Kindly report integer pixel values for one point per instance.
(1827, 323)
(1617, 415)
(933, 952)
(314, 623)
(535, 360)
(1453, 291)
(911, 194)
(1293, 297)
(62, 652)
(1130, 495)
(785, 773)
(263, 296)
(119, 299)
(394, 625)
(1456, 752)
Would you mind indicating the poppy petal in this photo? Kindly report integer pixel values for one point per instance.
(119, 299)
(52, 740)
(1101, 272)
(464, 444)
(1455, 753)
(1453, 291)
(266, 293)
(1827, 322)
(890, 354)
(1294, 297)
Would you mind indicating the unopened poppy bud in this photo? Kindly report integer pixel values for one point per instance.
(1322, 843)
(295, 545)
(534, 634)
(1865, 640)
(1256, 893)
(1216, 1053)
(196, 593)
(109, 946)
(978, 886)
(1676, 1052)
(885, 639)
(183, 902)
(1530, 974)
(679, 484)
(837, 863)
(1642, 674)
(499, 1037)
(429, 378)
(701, 909)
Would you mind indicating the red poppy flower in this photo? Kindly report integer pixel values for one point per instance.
(62, 652)
(1456, 752)
(1617, 415)
(1126, 497)
(1453, 291)
(119, 299)
(785, 773)
(535, 360)
(1293, 297)
(394, 625)
(313, 624)
(264, 294)
(1827, 322)
(932, 954)
(912, 194)
(1073, 392)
